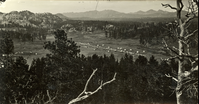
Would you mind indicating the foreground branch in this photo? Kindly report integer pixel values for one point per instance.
(191, 34)
(50, 100)
(168, 5)
(85, 94)
(169, 76)
(170, 49)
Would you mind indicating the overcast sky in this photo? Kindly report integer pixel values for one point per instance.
(61, 6)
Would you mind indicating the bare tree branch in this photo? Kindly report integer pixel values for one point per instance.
(188, 49)
(168, 5)
(179, 9)
(174, 57)
(191, 34)
(85, 94)
(50, 100)
(170, 49)
(169, 76)
(194, 58)
(192, 12)
(85, 88)
(196, 2)
(190, 82)
(182, 5)
(189, 19)
(183, 42)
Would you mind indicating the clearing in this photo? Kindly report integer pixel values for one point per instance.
(90, 43)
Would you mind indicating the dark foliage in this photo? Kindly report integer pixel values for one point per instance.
(7, 46)
(65, 72)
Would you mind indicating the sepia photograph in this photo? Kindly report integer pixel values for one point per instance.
(98, 51)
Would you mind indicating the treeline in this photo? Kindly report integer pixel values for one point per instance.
(147, 32)
(25, 35)
(83, 25)
(62, 75)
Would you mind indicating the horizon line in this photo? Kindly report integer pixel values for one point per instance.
(91, 11)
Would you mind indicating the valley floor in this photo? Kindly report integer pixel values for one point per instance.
(97, 43)
(90, 43)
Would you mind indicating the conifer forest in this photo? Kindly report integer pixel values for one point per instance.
(100, 57)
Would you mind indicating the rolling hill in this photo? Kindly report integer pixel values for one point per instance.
(111, 14)
(29, 18)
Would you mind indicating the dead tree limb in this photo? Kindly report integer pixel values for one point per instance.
(183, 42)
(169, 76)
(85, 94)
(191, 34)
(50, 100)
(168, 5)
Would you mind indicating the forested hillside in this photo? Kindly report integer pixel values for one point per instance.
(49, 58)
(57, 73)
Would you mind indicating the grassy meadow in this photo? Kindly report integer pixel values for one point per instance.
(90, 43)
(97, 43)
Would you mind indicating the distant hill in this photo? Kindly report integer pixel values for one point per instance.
(95, 14)
(31, 19)
(64, 18)
(111, 14)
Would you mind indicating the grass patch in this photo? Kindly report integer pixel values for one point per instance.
(32, 50)
(99, 39)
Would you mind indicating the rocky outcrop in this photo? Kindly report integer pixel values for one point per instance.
(31, 19)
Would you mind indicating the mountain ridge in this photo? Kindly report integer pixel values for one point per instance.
(28, 18)
(108, 14)
(87, 15)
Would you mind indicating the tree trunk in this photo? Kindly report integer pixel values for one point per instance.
(178, 92)
(180, 64)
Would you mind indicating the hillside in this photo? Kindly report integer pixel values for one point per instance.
(64, 18)
(27, 18)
